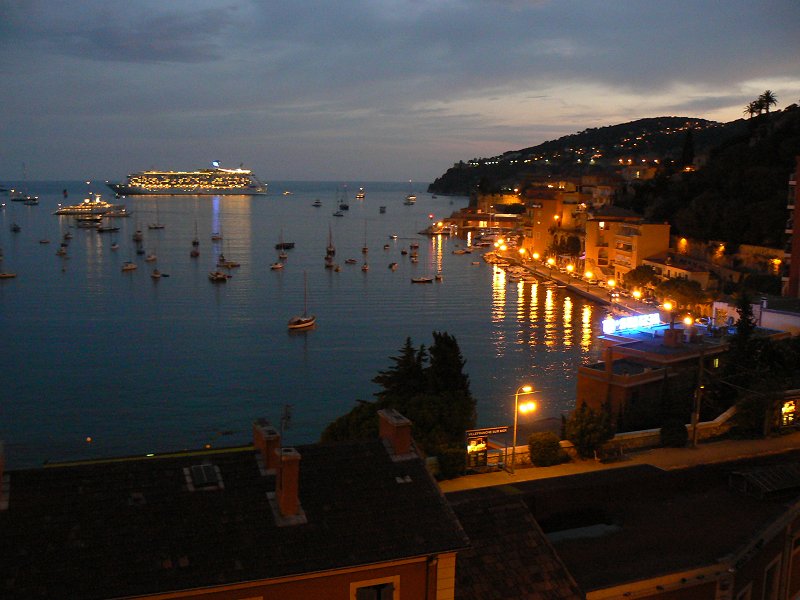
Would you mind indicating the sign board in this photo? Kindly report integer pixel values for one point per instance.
(478, 444)
(486, 431)
(610, 325)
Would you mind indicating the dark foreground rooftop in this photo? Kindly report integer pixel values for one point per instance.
(616, 526)
(131, 527)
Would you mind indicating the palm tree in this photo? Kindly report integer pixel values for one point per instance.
(767, 99)
(752, 108)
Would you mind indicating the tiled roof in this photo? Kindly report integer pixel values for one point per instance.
(509, 557)
(131, 527)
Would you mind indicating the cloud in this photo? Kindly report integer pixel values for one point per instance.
(403, 78)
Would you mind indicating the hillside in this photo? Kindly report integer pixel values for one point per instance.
(593, 150)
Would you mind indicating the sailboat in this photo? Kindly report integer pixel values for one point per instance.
(305, 320)
(23, 196)
(364, 248)
(281, 247)
(411, 197)
(157, 224)
(330, 251)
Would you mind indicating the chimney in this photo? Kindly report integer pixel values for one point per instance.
(266, 439)
(673, 337)
(288, 482)
(395, 431)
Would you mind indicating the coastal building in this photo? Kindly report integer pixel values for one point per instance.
(671, 265)
(618, 240)
(351, 521)
(644, 364)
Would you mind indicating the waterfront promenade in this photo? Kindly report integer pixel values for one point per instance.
(662, 458)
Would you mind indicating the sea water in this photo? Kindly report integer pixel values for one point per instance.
(97, 362)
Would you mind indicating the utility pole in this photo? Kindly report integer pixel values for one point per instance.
(698, 395)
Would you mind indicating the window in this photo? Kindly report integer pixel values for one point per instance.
(379, 591)
(385, 588)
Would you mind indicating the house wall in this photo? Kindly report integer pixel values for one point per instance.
(413, 579)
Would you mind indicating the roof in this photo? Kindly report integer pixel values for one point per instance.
(628, 524)
(510, 557)
(68, 527)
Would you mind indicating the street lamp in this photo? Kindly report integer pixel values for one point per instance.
(525, 407)
(669, 307)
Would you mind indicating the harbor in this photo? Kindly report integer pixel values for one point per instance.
(106, 362)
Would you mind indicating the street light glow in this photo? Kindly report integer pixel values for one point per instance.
(527, 407)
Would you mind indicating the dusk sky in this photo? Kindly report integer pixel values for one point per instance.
(371, 90)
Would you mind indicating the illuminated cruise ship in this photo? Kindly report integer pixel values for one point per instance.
(212, 182)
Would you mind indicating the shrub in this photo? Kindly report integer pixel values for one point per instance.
(452, 462)
(545, 449)
(674, 434)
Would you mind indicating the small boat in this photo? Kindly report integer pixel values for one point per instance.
(276, 266)
(393, 266)
(61, 251)
(228, 264)
(15, 228)
(68, 236)
(393, 236)
(382, 209)
(218, 276)
(156, 274)
(316, 203)
(386, 246)
(7, 275)
(350, 261)
(44, 241)
(403, 251)
(422, 280)
(344, 206)
(287, 193)
(150, 257)
(194, 253)
(107, 228)
(365, 267)
(216, 236)
(138, 236)
(360, 195)
(284, 245)
(88, 224)
(139, 251)
(438, 277)
(31, 200)
(305, 320)
(129, 266)
(338, 213)
(115, 246)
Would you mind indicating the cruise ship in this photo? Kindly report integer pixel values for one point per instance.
(215, 181)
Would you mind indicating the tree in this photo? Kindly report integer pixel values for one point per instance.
(767, 99)
(588, 429)
(430, 388)
(406, 377)
(687, 155)
(641, 276)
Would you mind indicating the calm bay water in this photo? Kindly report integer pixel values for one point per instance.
(141, 365)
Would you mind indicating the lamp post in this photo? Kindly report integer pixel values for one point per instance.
(524, 407)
